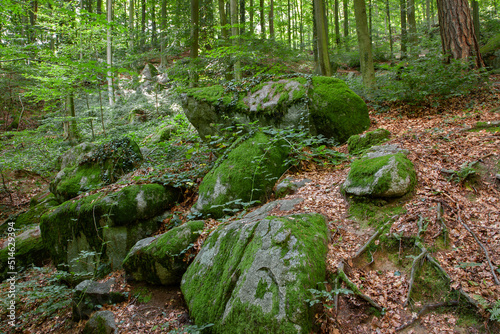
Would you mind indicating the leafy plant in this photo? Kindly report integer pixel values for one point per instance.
(324, 297)
(495, 311)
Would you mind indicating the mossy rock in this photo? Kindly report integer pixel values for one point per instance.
(381, 174)
(161, 260)
(102, 165)
(108, 225)
(247, 174)
(101, 322)
(28, 251)
(491, 52)
(255, 276)
(321, 105)
(492, 45)
(359, 143)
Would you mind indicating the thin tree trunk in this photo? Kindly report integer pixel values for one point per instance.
(345, 5)
(289, 24)
(154, 42)
(251, 14)
(223, 20)
(98, 8)
(234, 32)
(109, 51)
(412, 23)
(163, 36)
(195, 22)
(262, 19)
(143, 24)
(388, 13)
(457, 31)
(131, 24)
(364, 43)
(242, 17)
(475, 18)
(271, 20)
(428, 14)
(321, 32)
(337, 23)
(404, 36)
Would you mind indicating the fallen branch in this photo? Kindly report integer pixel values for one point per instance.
(497, 282)
(439, 218)
(355, 289)
(425, 309)
(416, 262)
(373, 237)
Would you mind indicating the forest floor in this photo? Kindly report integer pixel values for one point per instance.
(447, 212)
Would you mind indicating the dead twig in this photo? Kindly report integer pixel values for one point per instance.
(497, 282)
(373, 237)
(425, 309)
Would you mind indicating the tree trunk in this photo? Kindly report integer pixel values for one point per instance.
(163, 36)
(262, 19)
(195, 22)
(412, 23)
(337, 23)
(109, 51)
(242, 17)
(345, 5)
(428, 14)
(98, 8)
(70, 126)
(321, 31)
(234, 33)
(475, 18)
(364, 43)
(404, 36)
(271, 20)
(388, 13)
(143, 24)
(251, 14)
(289, 26)
(457, 31)
(154, 42)
(223, 20)
(131, 24)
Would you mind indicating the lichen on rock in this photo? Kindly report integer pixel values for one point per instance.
(259, 273)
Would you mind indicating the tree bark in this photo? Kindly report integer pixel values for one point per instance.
(109, 51)
(404, 34)
(262, 19)
(457, 31)
(388, 13)
(223, 20)
(322, 40)
(475, 18)
(271, 20)
(234, 32)
(364, 43)
(242, 17)
(345, 6)
(337, 23)
(131, 24)
(250, 18)
(195, 23)
(412, 23)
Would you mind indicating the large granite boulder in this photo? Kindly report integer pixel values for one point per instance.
(104, 226)
(323, 105)
(161, 259)
(248, 173)
(254, 275)
(26, 249)
(102, 165)
(382, 172)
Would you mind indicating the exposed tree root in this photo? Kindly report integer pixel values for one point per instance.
(355, 289)
(425, 309)
(373, 237)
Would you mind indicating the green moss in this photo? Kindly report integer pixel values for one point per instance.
(126, 211)
(27, 252)
(248, 173)
(492, 45)
(209, 94)
(81, 179)
(336, 110)
(363, 173)
(358, 143)
(234, 253)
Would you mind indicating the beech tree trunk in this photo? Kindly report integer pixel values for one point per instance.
(404, 34)
(163, 36)
(195, 23)
(235, 34)
(271, 20)
(262, 19)
(322, 38)
(457, 31)
(364, 43)
(345, 5)
(109, 51)
(475, 18)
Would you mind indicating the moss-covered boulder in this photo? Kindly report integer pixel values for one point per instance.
(39, 205)
(359, 143)
(102, 165)
(491, 52)
(101, 322)
(255, 276)
(322, 105)
(104, 226)
(27, 249)
(248, 173)
(384, 171)
(161, 260)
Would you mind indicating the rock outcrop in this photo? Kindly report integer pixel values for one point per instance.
(322, 105)
(254, 275)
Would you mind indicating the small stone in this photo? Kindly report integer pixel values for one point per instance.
(102, 322)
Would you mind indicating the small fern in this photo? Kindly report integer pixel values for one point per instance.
(495, 311)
